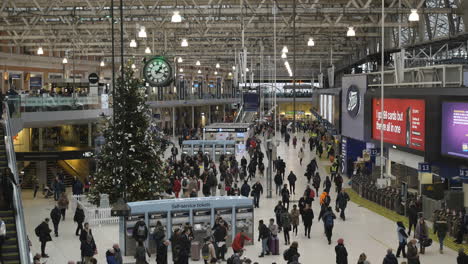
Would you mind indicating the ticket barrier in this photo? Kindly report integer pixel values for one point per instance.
(200, 213)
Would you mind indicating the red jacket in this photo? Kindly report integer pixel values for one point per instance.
(177, 186)
(238, 242)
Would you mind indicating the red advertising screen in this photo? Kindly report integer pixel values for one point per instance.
(404, 122)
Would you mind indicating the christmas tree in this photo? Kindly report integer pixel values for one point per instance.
(131, 159)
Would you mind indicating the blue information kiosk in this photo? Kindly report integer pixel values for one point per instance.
(199, 212)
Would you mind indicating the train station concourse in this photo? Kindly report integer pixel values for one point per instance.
(234, 131)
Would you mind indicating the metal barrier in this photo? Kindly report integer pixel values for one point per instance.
(93, 215)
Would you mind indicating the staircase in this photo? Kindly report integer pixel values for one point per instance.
(52, 167)
(10, 247)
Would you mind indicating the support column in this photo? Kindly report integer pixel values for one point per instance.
(173, 122)
(193, 117)
(209, 114)
(41, 139)
(41, 172)
(465, 194)
(90, 135)
(224, 113)
(464, 6)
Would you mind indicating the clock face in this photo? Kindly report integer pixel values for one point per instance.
(158, 72)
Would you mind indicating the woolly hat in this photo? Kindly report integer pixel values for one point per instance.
(340, 241)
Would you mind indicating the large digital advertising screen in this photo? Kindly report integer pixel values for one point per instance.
(403, 122)
(455, 129)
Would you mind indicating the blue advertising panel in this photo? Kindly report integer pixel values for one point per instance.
(251, 102)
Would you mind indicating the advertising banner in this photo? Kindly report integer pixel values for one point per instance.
(251, 102)
(352, 106)
(455, 129)
(404, 122)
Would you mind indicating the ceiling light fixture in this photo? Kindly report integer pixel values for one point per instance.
(65, 61)
(247, 70)
(133, 66)
(284, 56)
(198, 63)
(311, 42)
(142, 33)
(233, 68)
(181, 70)
(216, 73)
(351, 32)
(230, 74)
(40, 51)
(180, 60)
(133, 44)
(184, 43)
(102, 63)
(414, 16)
(147, 50)
(217, 66)
(176, 18)
(199, 71)
(285, 49)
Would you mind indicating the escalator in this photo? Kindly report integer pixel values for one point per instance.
(16, 247)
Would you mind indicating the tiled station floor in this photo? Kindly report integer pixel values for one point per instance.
(363, 231)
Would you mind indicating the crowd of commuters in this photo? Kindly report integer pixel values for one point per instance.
(192, 175)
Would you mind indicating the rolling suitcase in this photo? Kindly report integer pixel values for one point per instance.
(274, 245)
(195, 251)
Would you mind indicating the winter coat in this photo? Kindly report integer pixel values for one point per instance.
(135, 234)
(245, 190)
(300, 155)
(412, 254)
(278, 179)
(257, 188)
(440, 228)
(342, 200)
(77, 188)
(264, 232)
(412, 214)
(177, 186)
(286, 220)
(87, 249)
(308, 216)
(390, 259)
(285, 194)
(341, 254)
(421, 231)
(79, 215)
(55, 215)
(63, 202)
(292, 178)
(111, 259)
(295, 217)
(44, 232)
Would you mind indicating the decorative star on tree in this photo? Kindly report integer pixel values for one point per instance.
(131, 159)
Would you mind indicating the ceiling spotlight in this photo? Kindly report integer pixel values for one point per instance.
(133, 66)
(133, 44)
(285, 49)
(65, 61)
(284, 56)
(184, 43)
(199, 71)
(40, 51)
(311, 42)
(180, 60)
(147, 50)
(233, 68)
(414, 16)
(176, 18)
(216, 73)
(351, 32)
(181, 70)
(102, 64)
(230, 74)
(142, 33)
(198, 63)
(217, 66)
(247, 70)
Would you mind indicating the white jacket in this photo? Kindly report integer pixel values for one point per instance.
(2, 228)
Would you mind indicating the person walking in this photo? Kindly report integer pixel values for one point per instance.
(402, 238)
(285, 195)
(257, 190)
(63, 204)
(286, 222)
(245, 189)
(363, 259)
(441, 228)
(421, 233)
(88, 250)
(341, 252)
(462, 258)
(55, 216)
(341, 202)
(327, 185)
(239, 241)
(291, 255)
(140, 254)
(412, 253)
(220, 236)
(300, 155)
(263, 235)
(43, 232)
(292, 182)
(295, 219)
(307, 218)
(412, 217)
(110, 256)
(208, 251)
(79, 219)
(316, 183)
(278, 210)
(294, 141)
(117, 254)
(185, 242)
(86, 232)
(2, 238)
(390, 258)
(328, 221)
(278, 182)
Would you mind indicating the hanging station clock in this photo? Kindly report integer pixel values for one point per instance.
(158, 72)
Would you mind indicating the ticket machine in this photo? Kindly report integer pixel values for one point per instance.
(200, 213)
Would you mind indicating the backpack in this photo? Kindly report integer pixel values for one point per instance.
(311, 194)
(184, 183)
(286, 254)
(329, 221)
(141, 231)
(205, 251)
(37, 231)
(230, 260)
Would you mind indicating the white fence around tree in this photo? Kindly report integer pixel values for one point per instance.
(93, 215)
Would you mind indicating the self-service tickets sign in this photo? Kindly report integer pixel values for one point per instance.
(403, 122)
